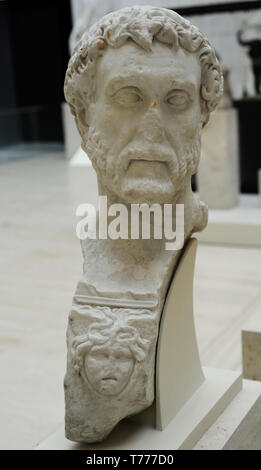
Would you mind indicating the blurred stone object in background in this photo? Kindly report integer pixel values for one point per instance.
(218, 175)
(250, 37)
(259, 185)
(90, 13)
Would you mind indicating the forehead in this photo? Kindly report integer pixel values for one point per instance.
(161, 63)
(109, 348)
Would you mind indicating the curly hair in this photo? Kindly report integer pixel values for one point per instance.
(121, 326)
(142, 25)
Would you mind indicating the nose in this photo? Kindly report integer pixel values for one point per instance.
(109, 364)
(151, 127)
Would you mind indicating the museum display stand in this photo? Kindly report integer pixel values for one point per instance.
(189, 398)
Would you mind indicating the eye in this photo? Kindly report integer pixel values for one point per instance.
(124, 358)
(98, 355)
(179, 99)
(128, 96)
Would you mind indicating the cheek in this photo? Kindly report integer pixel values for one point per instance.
(192, 122)
(190, 132)
(125, 368)
(93, 368)
(117, 125)
(183, 128)
(104, 122)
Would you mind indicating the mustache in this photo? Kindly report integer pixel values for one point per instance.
(156, 153)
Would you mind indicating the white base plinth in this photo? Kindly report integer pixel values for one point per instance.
(240, 225)
(183, 432)
(237, 428)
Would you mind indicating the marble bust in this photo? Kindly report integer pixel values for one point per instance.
(141, 84)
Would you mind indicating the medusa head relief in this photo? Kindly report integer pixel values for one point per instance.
(106, 355)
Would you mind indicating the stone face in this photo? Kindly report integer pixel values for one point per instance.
(110, 368)
(141, 84)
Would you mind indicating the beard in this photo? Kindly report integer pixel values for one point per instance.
(144, 172)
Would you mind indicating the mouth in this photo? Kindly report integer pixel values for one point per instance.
(143, 162)
(109, 379)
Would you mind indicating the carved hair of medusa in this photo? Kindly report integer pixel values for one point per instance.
(114, 326)
(142, 25)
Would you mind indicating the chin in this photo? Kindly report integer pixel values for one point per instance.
(147, 191)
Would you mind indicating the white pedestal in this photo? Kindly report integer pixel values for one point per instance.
(238, 427)
(248, 434)
(178, 368)
(183, 432)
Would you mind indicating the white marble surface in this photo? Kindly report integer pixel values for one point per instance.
(240, 225)
(247, 212)
(229, 422)
(41, 263)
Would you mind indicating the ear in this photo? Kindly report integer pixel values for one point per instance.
(81, 115)
(204, 114)
(81, 106)
(204, 117)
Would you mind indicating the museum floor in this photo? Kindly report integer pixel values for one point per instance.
(40, 265)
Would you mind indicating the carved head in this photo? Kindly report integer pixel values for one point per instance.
(105, 357)
(141, 85)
